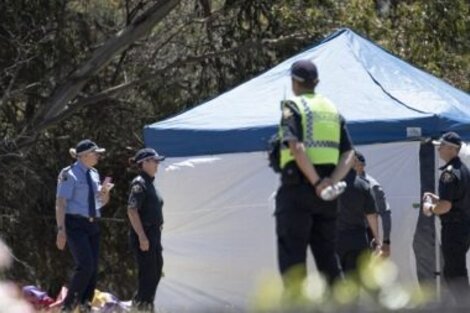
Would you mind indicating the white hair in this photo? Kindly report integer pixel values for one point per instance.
(464, 153)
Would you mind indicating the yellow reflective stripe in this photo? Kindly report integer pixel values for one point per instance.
(322, 144)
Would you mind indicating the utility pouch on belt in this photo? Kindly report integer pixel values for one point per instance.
(274, 153)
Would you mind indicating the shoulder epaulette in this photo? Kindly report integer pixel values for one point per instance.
(63, 173)
(289, 104)
(138, 179)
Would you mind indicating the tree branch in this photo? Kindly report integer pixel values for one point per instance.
(110, 92)
(102, 56)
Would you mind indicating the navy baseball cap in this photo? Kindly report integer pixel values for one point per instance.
(361, 157)
(147, 153)
(450, 138)
(85, 146)
(303, 71)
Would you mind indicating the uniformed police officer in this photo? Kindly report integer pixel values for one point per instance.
(316, 151)
(80, 196)
(357, 212)
(145, 214)
(453, 207)
(383, 207)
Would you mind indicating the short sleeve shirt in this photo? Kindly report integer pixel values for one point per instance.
(72, 186)
(454, 186)
(378, 194)
(355, 203)
(146, 199)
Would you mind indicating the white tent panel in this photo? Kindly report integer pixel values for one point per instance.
(219, 237)
(465, 153)
(218, 231)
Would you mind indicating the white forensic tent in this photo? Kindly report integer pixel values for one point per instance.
(219, 238)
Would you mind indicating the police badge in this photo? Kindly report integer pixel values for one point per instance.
(447, 177)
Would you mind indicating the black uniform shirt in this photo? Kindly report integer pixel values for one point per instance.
(146, 199)
(355, 203)
(291, 124)
(454, 186)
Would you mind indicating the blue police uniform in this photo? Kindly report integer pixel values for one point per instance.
(147, 200)
(73, 186)
(79, 186)
(454, 186)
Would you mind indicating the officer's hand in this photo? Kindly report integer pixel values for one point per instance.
(385, 250)
(106, 188)
(325, 182)
(104, 194)
(61, 239)
(433, 197)
(144, 243)
(427, 209)
(375, 245)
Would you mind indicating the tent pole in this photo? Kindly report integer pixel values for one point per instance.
(437, 239)
(437, 249)
(425, 241)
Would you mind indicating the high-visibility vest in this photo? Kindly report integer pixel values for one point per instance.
(321, 130)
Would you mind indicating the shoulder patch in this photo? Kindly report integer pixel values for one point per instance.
(447, 177)
(137, 184)
(63, 175)
(136, 188)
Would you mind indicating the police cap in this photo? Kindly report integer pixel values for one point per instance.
(450, 138)
(147, 153)
(304, 71)
(85, 146)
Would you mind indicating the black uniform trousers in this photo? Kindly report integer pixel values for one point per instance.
(455, 244)
(150, 264)
(302, 221)
(83, 239)
(350, 245)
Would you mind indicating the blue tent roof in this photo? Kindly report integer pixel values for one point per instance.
(383, 99)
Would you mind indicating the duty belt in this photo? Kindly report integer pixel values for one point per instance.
(78, 216)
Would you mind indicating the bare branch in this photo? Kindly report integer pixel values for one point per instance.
(102, 56)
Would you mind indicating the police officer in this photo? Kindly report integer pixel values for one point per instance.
(453, 207)
(357, 211)
(381, 203)
(145, 214)
(80, 197)
(316, 151)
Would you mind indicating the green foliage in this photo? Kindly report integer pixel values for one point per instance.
(200, 50)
